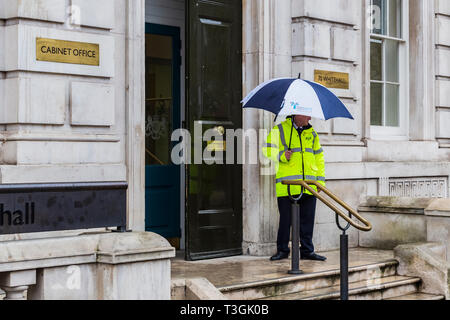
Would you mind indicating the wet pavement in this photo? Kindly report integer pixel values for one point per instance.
(246, 269)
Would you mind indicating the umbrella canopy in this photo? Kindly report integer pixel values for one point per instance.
(287, 96)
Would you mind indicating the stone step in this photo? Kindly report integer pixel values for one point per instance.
(418, 296)
(376, 289)
(307, 282)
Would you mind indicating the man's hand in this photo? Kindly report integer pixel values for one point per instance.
(288, 154)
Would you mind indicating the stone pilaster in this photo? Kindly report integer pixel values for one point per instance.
(267, 46)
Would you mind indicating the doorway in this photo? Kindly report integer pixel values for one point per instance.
(208, 223)
(162, 114)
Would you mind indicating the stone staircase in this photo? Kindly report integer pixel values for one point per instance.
(378, 281)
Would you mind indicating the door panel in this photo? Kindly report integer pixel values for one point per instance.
(162, 112)
(216, 99)
(214, 201)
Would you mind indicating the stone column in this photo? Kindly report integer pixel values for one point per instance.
(422, 71)
(135, 110)
(267, 54)
(16, 283)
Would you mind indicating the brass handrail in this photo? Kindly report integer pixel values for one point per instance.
(154, 157)
(306, 184)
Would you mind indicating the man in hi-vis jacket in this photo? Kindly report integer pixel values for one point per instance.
(295, 156)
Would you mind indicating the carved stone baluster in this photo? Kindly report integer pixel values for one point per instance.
(16, 283)
(15, 293)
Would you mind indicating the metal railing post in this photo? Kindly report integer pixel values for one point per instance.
(295, 255)
(343, 258)
(344, 266)
(367, 226)
(295, 227)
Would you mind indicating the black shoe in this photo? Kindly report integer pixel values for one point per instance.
(312, 256)
(280, 256)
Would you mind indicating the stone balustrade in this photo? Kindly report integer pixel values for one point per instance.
(104, 265)
(399, 221)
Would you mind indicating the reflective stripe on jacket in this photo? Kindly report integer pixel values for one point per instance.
(277, 144)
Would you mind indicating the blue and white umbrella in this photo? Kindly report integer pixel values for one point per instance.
(287, 96)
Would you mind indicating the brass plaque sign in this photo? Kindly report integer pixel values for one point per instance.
(63, 51)
(333, 80)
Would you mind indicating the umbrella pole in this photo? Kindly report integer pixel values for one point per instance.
(292, 129)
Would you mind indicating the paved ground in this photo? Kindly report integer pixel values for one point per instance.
(246, 269)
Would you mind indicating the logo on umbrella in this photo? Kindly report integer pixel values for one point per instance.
(294, 105)
(306, 111)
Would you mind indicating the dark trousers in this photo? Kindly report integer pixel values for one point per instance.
(307, 215)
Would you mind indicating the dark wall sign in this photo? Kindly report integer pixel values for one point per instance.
(26, 208)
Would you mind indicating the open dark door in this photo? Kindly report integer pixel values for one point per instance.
(214, 82)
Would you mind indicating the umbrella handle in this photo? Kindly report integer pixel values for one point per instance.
(290, 139)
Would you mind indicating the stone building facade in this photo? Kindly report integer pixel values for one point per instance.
(65, 122)
(363, 157)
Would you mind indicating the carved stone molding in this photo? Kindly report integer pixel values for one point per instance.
(432, 187)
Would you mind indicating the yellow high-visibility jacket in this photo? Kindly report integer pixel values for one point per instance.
(278, 143)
